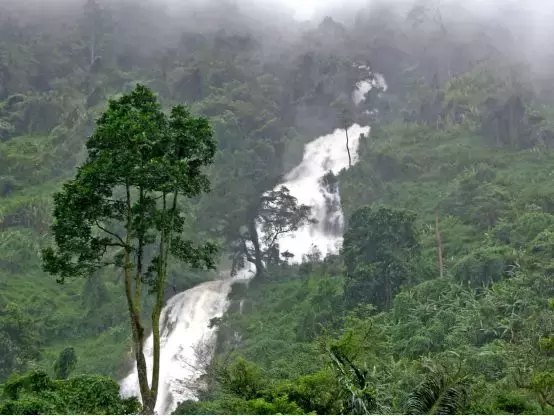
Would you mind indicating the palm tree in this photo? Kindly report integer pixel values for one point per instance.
(439, 394)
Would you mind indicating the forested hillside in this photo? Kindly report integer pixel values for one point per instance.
(441, 300)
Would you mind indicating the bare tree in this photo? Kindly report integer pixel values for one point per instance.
(346, 121)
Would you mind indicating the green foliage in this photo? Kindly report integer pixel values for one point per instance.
(543, 386)
(19, 339)
(234, 406)
(486, 265)
(243, 391)
(477, 201)
(94, 394)
(523, 229)
(36, 393)
(316, 392)
(134, 146)
(380, 246)
(512, 404)
(65, 363)
(426, 318)
(242, 379)
(439, 394)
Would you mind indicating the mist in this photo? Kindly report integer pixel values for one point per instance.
(437, 37)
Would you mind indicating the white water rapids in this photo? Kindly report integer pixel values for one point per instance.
(184, 325)
(186, 317)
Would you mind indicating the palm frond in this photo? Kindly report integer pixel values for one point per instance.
(438, 394)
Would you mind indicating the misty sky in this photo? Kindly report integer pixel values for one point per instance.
(304, 9)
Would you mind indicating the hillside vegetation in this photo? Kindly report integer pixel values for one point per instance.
(441, 299)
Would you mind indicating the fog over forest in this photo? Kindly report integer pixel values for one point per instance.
(276, 206)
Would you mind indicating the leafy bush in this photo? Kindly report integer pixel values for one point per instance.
(36, 393)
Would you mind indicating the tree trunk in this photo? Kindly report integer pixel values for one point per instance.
(140, 253)
(134, 312)
(153, 393)
(161, 281)
(439, 248)
(138, 334)
(348, 148)
(92, 49)
(156, 347)
(156, 311)
(257, 249)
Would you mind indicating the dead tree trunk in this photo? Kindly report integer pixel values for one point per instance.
(348, 147)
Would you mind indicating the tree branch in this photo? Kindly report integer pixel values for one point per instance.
(122, 243)
(247, 252)
(278, 233)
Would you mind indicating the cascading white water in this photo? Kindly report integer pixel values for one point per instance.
(186, 318)
(184, 326)
(323, 155)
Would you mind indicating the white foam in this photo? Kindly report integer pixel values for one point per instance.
(327, 153)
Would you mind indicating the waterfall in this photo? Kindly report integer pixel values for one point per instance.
(184, 329)
(185, 320)
(324, 154)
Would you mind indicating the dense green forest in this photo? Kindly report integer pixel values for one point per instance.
(442, 298)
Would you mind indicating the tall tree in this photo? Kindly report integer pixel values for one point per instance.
(379, 248)
(19, 339)
(65, 363)
(93, 26)
(346, 121)
(122, 208)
